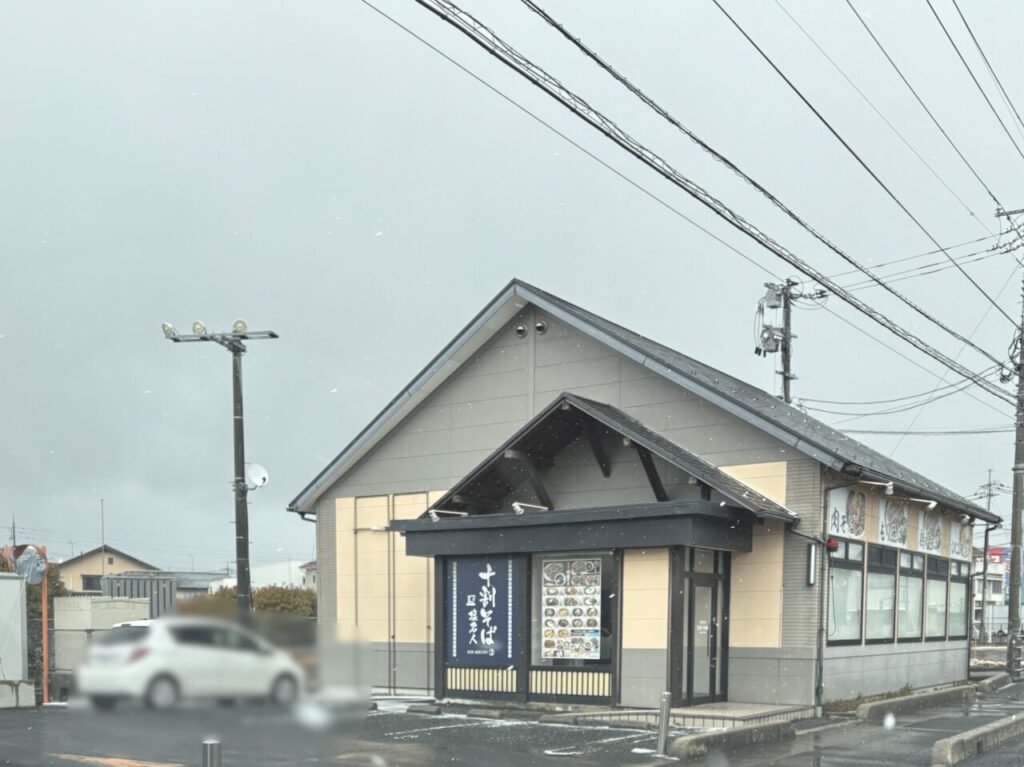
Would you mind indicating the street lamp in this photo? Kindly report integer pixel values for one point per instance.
(233, 341)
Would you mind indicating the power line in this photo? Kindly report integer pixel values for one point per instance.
(970, 71)
(935, 432)
(857, 157)
(659, 200)
(988, 309)
(991, 71)
(486, 39)
(919, 395)
(942, 385)
(853, 326)
(635, 184)
(920, 101)
(920, 255)
(939, 266)
(885, 119)
(955, 387)
(672, 120)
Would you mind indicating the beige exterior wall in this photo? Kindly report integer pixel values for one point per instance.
(755, 597)
(382, 594)
(645, 599)
(97, 563)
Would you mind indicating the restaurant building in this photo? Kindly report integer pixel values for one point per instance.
(557, 509)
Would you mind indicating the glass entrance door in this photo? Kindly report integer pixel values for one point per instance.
(704, 647)
(699, 626)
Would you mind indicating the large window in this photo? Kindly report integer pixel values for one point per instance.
(846, 584)
(911, 593)
(958, 577)
(936, 597)
(575, 609)
(880, 601)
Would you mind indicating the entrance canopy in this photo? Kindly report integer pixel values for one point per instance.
(521, 498)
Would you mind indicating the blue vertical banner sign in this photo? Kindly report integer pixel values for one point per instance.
(482, 605)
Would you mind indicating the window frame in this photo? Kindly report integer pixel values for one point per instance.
(913, 571)
(96, 579)
(962, 576)
(941, 563)
(881, 567)
(841, 559)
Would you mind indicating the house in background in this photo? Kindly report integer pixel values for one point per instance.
(82, 575)
(309, 575)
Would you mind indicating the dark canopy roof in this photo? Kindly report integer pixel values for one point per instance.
(565, 421)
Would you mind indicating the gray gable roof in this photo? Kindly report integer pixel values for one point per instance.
(735, 491)
(748, 403)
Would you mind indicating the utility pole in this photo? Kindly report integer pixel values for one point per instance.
(234, 343)
(1018, 465)
(772, 338)
(1018, 486)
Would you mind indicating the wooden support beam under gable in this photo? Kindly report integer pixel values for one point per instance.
(647, 460)
(528, 466)
(593, 435)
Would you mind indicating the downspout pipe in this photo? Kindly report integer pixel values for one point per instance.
(819, 683)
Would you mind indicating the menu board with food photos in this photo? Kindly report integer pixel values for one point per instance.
(572, 608)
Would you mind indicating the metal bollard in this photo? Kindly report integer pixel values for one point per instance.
(211, 752)
(663, 721)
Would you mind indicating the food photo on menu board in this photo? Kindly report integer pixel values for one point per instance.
(572, 608)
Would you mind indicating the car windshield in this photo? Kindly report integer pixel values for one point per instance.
(123, 635)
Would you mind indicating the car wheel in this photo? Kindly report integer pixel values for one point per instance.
(285, 691)
(103, 702)
(162, 693)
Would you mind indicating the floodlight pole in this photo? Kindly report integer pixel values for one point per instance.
(242, 587)
(233, 342)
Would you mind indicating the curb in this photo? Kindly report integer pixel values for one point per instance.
(877, 710)
(486, 713)
(423, 708)
(558, 719)
(699, 746)
(958, 748)
(994, 682)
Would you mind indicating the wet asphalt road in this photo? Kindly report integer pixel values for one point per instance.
(257, 737)
(261, 737)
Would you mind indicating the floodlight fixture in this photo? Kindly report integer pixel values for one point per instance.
(199, 328)
(239, 326)
(519, 507)
(169, 331)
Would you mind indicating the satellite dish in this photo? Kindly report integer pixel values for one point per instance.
(30, 564)
(257, 476)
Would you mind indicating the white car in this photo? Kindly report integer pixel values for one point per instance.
(164, 660)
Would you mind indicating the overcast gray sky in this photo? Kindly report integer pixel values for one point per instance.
(312, 168)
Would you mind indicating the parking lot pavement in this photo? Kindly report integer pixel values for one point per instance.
(259, 736)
